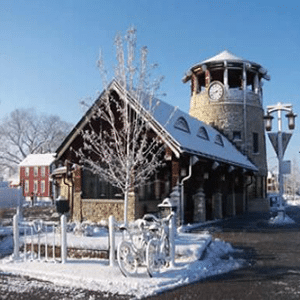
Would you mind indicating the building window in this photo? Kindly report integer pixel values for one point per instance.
(182, 124)
(93, 187)
(36, 170)
(235, 78)
(255, 142)
(218, 140)
(43, 171)
(236, 135)
(27, 171)
(202, 133)
(35, 186)
(43, 186)
(217, 75)
(26, 186)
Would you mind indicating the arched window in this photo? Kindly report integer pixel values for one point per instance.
(219, 140)
(182, 124)
(202, 133)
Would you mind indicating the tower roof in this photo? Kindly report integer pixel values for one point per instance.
(224, 55)
(229, 57)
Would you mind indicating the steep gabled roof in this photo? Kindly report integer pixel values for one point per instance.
(180, 131)
(197, 137)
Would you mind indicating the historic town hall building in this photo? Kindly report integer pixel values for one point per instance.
(215, 156)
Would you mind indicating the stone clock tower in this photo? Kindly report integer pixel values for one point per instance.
(227, 94)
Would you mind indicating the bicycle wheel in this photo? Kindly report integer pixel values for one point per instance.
(126, 259)
(153, 257)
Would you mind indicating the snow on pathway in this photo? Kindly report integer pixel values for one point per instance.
(98, 275)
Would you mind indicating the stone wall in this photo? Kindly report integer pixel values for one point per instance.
(96, 210)
(228, 116)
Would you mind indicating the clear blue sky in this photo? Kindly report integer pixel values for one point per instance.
(48, 49)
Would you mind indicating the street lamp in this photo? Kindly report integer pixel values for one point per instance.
(280, 139)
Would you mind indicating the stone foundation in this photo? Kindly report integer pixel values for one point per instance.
(96, 210)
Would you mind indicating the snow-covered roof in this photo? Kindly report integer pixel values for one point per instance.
(224, 55)
(38, 160)
(196, 137)
(180, 131)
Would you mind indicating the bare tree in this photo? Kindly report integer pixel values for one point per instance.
(24, 132)
(121, 148)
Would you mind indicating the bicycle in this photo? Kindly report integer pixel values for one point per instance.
(131, 253)
(158, 252)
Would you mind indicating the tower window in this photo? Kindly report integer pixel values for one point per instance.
(235, 78)
(236, 136)
(217, 74)
(200, 82)
(255, 142)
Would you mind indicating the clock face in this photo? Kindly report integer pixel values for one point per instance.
(215, 91)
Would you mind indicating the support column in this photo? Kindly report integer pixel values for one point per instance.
(175, 172)
(226, 76)
(217, 205)
(195, 85)
(231, 204)
(199, 206)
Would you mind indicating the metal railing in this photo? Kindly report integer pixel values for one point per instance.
(39, 240)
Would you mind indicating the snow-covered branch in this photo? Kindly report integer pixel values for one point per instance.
(118, 143)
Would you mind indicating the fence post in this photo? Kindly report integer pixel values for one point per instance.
(16, 236)
(172, 229)
(111, 227)
(63, 223)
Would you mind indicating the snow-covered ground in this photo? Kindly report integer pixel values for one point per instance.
(281, 219)
(197, 257)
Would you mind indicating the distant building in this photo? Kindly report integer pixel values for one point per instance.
(35, 172)
(272, 183)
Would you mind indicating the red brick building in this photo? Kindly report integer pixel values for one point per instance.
(35, 172)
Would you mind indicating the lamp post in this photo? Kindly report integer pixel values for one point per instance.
(280, 139)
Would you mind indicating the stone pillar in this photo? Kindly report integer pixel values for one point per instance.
(199, 206)
(195, 85)
(77, 208)
(217, 205)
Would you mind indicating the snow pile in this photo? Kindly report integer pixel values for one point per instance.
(96, 274)
(6, 245)
(6, 241)
(281, 219)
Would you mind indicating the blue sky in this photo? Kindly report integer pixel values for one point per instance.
(48, 49)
